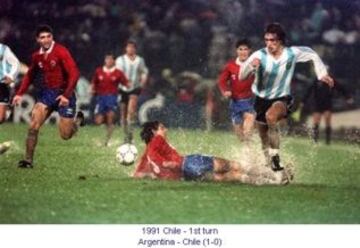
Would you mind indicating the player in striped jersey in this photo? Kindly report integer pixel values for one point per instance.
(9, 68)
(274, 67)
(136, 72)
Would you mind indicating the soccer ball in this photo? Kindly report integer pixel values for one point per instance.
(126, 154)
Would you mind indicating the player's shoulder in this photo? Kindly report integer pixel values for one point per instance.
(3, 47)
(120, 57)
(157, 139)
(259, 53)
(299, 49)
(231, 62)
(59, 48)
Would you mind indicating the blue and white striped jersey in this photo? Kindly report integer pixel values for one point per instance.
(135, 71)
(9, 64)
(273, 77)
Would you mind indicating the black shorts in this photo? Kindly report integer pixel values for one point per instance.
(125, 95)
(323, 106)
(4, 94)
(262, 105)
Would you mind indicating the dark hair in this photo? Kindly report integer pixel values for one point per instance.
(131, 42)
(43, 29)
(109, 54)
(276, 28)
(146, 133)
(243, 42)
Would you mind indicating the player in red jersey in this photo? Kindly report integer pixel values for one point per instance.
(54, 74)
(160, 160)
(105, 83)
(240, 94)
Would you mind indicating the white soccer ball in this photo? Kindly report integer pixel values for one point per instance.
(126, 154)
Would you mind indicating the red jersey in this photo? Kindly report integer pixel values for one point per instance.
(106, 81)
(229, 81)
(156, 153)
(58, 69)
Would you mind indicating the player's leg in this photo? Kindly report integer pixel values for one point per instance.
(123, 121)
(39, 114)
(99, 110)
(238, 130)
(264, 137)
(131, 115)
(316, 116)
(276, 112)
(4, 100)
(3, 109)
(328, 129)
(99, 119)
(68, 123)
(248, 125)
(225, 170)
(109, 122)
(5, 145)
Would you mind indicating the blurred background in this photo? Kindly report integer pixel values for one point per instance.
(186, 43)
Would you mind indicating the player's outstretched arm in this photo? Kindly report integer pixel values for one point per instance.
(305, 54)
(328, 80)
(250, 66)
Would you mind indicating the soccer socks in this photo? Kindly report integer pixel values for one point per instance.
(109, 130)
(328, 131)
(315, 132)
(31, 142)
(274, 138)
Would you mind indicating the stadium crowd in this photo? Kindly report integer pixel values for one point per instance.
(192, 35)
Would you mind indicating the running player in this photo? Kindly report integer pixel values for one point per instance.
(136, 72)
(160, 160)
(104, 84)
(9, 68)
(54, 74)
(241, 98)
(273, 67)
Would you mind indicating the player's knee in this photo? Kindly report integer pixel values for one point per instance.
(271, 119)
(34, 125)
(65, 135)
(98, 122)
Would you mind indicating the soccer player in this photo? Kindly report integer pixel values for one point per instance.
(136, 72)
(104, 84)
(273, 67)
(239, 91)
(323, 96)
(161, 161)
(54, 74)
(9, 68)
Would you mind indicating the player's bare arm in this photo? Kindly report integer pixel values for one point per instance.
(328, 80)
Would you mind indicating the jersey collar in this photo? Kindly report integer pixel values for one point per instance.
(42, 51)
(105, 69)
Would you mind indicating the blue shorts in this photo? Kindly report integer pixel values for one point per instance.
(48, 97)
(105, 104)
(239, 107)
(196, 167)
